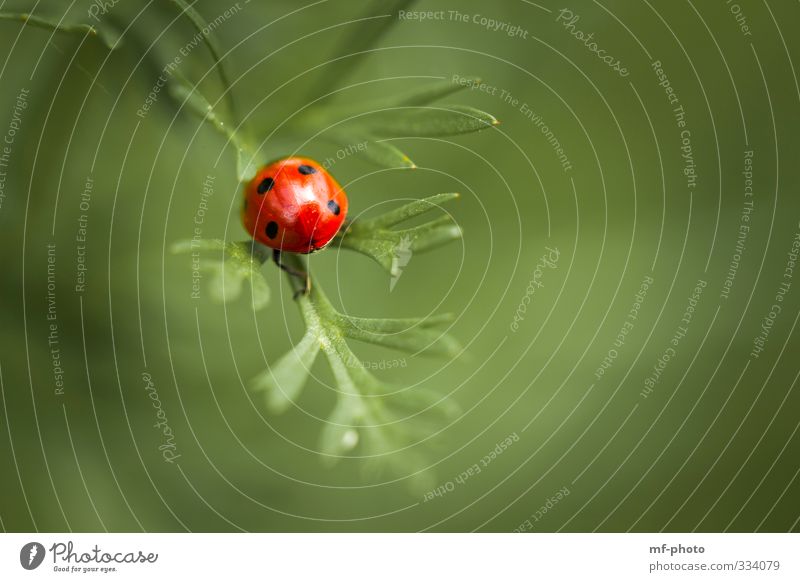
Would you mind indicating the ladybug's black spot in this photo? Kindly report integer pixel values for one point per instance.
(272, 229)
(266, 185)
(306, 170)
(333, 207)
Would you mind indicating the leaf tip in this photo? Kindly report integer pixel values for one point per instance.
(409, 162)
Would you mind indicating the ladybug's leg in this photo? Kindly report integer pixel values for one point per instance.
(276, 257)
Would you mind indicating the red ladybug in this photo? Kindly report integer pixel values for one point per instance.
(293, 205)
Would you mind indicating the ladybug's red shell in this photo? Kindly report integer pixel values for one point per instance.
(294, 205)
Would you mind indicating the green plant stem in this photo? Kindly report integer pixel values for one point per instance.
(322, 320)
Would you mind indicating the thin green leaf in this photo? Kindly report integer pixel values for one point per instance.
(247, 159)
(224, 283)
(380, 153)
(385, 155)
(283, 382)
(417, 340)
(104, 32)
(395, 325)
(410, 335)
(206, 32)
(434, 234)
(430, 92)
(428, 121)
(374, 23)
(197, 104)
(418, 96)
(407, 211)
(393, 249)
(233, 264)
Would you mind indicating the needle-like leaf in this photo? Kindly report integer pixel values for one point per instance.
(367, 31)
(102, 30)
(428, 121)
(283, 381)
(206, 33)
(229, 266)
(410, 335)
(398, 115)
(386, 155)
(424, 94)
(392, 249)
(248, 159)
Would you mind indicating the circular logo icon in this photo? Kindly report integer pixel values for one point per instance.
(31, 555)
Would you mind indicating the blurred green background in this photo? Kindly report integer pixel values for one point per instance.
(712, 446)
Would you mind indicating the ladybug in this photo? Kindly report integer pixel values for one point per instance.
(293, 205)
